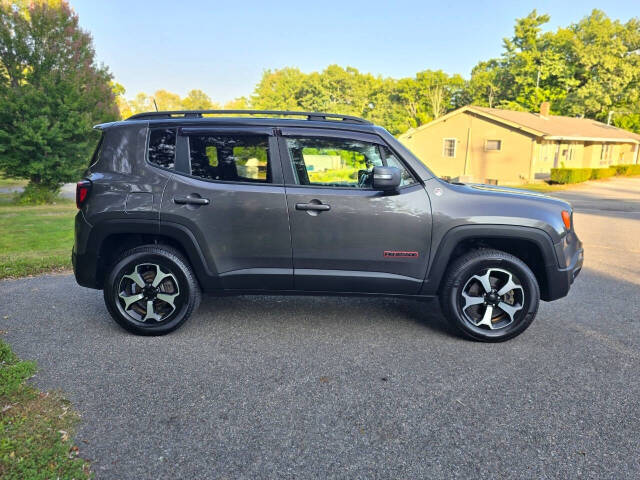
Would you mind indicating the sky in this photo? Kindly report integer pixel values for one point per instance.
(223, 47)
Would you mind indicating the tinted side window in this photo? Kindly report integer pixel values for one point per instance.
(162, 147)
(231, 158)
(337, 162)
(333, 162)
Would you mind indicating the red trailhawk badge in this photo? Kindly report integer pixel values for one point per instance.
(396, 253)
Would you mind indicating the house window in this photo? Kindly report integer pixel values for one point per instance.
(493, 145)
(605, 154)
(449, 147)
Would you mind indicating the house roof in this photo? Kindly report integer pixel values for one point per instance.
(553, 127)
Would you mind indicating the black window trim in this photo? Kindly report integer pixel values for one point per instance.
(289, 177)
(95, 157)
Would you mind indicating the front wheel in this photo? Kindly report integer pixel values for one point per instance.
(490, 295)
(151, 290)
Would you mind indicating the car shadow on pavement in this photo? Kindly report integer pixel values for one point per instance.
(328, 310)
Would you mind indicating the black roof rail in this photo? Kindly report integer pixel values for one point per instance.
(316, 116)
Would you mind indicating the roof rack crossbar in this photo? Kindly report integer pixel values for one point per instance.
(314, 116)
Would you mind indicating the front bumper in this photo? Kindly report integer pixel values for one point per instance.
(559, 280)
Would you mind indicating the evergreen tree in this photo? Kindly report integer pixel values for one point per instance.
(51, 94)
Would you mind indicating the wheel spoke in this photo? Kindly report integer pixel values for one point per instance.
(486, 318)
(510, 285)
(470, 301)
(160, 276)
(130, 299)
(484, 281)
(135, 278)
(168, 298)
(151, 314)
(509, 309)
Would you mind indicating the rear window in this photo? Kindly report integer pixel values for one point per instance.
(162, 147)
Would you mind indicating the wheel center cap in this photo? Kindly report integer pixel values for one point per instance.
(492, 298)
(150, 292)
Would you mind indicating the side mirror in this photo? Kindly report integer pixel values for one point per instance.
(386, 178)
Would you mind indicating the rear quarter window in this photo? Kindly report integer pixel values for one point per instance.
(162, 147)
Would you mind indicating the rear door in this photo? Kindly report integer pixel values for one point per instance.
(228, 192)
(345, 235)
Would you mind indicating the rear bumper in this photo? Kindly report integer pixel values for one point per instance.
(559, 280)
(84, 269)
(83, 259)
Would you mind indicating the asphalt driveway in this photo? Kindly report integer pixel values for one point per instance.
(303, 387)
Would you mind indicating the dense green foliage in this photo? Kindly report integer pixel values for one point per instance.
(51, 94)
(35, 427)
(600, 173)
(577, 175)
(570, 175)
(627, 170)
(590, 68)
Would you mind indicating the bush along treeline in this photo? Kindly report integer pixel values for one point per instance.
(590, 69)
(578, 175)
(51, 94)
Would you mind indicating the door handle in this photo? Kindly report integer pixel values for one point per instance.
(318, 207)
(190, 200)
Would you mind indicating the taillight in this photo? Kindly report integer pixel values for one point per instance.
(566, 218)
(83, 187)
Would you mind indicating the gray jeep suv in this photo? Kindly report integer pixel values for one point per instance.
(269, 202)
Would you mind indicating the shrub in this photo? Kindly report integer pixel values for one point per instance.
(599, 173)
(37, 195)
(627, 170)
(570, 175)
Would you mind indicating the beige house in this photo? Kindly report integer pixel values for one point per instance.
(502, 146)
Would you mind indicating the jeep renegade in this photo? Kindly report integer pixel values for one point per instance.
(269, 202)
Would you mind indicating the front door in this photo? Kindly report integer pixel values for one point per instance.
(346, 236)
(228, 192)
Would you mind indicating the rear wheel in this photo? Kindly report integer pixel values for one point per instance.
(151, 290)
(490, 295)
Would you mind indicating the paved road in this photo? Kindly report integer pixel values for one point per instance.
(266, 387)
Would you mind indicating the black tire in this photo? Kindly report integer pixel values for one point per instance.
(177, 277)
(468, 274)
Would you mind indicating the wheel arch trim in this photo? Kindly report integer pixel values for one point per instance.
(453, 237)
(178, 233)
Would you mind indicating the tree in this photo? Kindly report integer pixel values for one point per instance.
(484, 86)
(240, 103)
(198, 100)
(278, 90)
(605, 55)
(587, 69)
(51, 94)
(167, 100)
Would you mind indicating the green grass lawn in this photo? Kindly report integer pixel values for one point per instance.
(35, 239)
(36, 428)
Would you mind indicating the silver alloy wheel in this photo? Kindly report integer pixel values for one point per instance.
(148, 293)
(492, 300)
